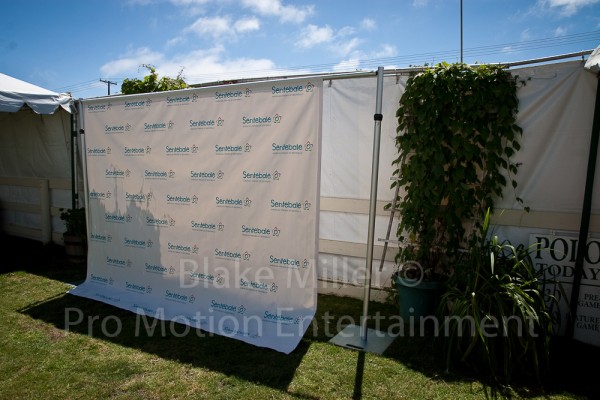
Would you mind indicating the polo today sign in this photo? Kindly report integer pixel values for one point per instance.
(555, 256)
(203, 207)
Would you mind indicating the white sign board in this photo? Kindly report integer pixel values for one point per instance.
(556, 255)
(203, 207)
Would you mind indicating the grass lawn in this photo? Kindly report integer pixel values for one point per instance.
(43, 358)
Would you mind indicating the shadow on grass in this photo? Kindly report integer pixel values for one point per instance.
(168, 340)
(50, 261)
(570, 369)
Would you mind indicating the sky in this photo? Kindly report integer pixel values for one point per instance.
(69, 46)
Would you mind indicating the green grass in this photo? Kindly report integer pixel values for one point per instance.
(41, 359)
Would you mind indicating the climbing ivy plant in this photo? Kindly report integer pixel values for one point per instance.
(151, 82)
(456, 135)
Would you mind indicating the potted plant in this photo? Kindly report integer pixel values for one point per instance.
(75, 236)
(456, 134)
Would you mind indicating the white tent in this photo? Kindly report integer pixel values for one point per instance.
(15, 93)
(35, 158)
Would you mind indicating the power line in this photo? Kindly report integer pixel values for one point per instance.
(399, 61)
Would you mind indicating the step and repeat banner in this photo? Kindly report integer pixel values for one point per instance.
(203, 207)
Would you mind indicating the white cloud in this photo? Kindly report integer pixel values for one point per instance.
(526, 34)
(565, 8)
(345, 31)
(215, 26)
(246, 25)
(286, 13)
(420, 3)
(313, 35)
(204, 65)
(387, 50)
(368, 24)
(187, 3)
(345, 48)
(560, 31)
(220, 28)
(351, 64)
(175, 41)
(191, 7)
(130, 62)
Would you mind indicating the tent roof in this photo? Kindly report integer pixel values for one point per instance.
(15, 93)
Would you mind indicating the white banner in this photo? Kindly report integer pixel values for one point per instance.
(555, 255)
(203, 207)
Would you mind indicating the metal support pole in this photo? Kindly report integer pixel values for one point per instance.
(585, 214)
(353, 336)
(372, 203)
(83, 162)
(74, 193)
(461, 32)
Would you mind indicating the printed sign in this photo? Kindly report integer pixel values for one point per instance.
(556, 255)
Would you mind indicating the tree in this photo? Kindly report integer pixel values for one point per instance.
(151, 83)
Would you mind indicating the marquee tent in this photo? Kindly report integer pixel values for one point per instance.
(35, 158)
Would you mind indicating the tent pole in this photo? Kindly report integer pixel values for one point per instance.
(83, 160)
(74, 193)
(372, 203)
(354, 336)
(585, 214)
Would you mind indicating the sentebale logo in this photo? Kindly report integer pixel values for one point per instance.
(181, 199)
(231, 255)
(179, 248)
(134, 151)
(232, 95)
(156, 174)
(286, 205)
(280, 318)
(259, 176)
(114, 173)
(254, 285)
(229, 149)
(205, 176)
(118, 262)
(180, 100)
(159, 222)
(287, 148)
(155, 268)
(226, 307)
(98, 151)
(230, 202)
(180, 150)
(94, 195)
(117, 128)
(114, 218)
(203, 226)
(178, 297)
(260, 120)
(95, 108)
(154, 126)
(284, 262)
(100, 237)
(102, 280)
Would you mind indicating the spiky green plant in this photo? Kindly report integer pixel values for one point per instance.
(496, 321)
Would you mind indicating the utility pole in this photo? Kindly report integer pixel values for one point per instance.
(460, 32)
(108, 83)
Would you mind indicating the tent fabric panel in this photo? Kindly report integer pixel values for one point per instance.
(35, 146)
(15, 93)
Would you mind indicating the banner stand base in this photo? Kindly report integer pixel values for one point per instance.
(376, 341)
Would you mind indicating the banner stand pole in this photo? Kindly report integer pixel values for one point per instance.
(361, 337)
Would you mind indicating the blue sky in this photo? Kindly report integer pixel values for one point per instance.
(70, 45)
